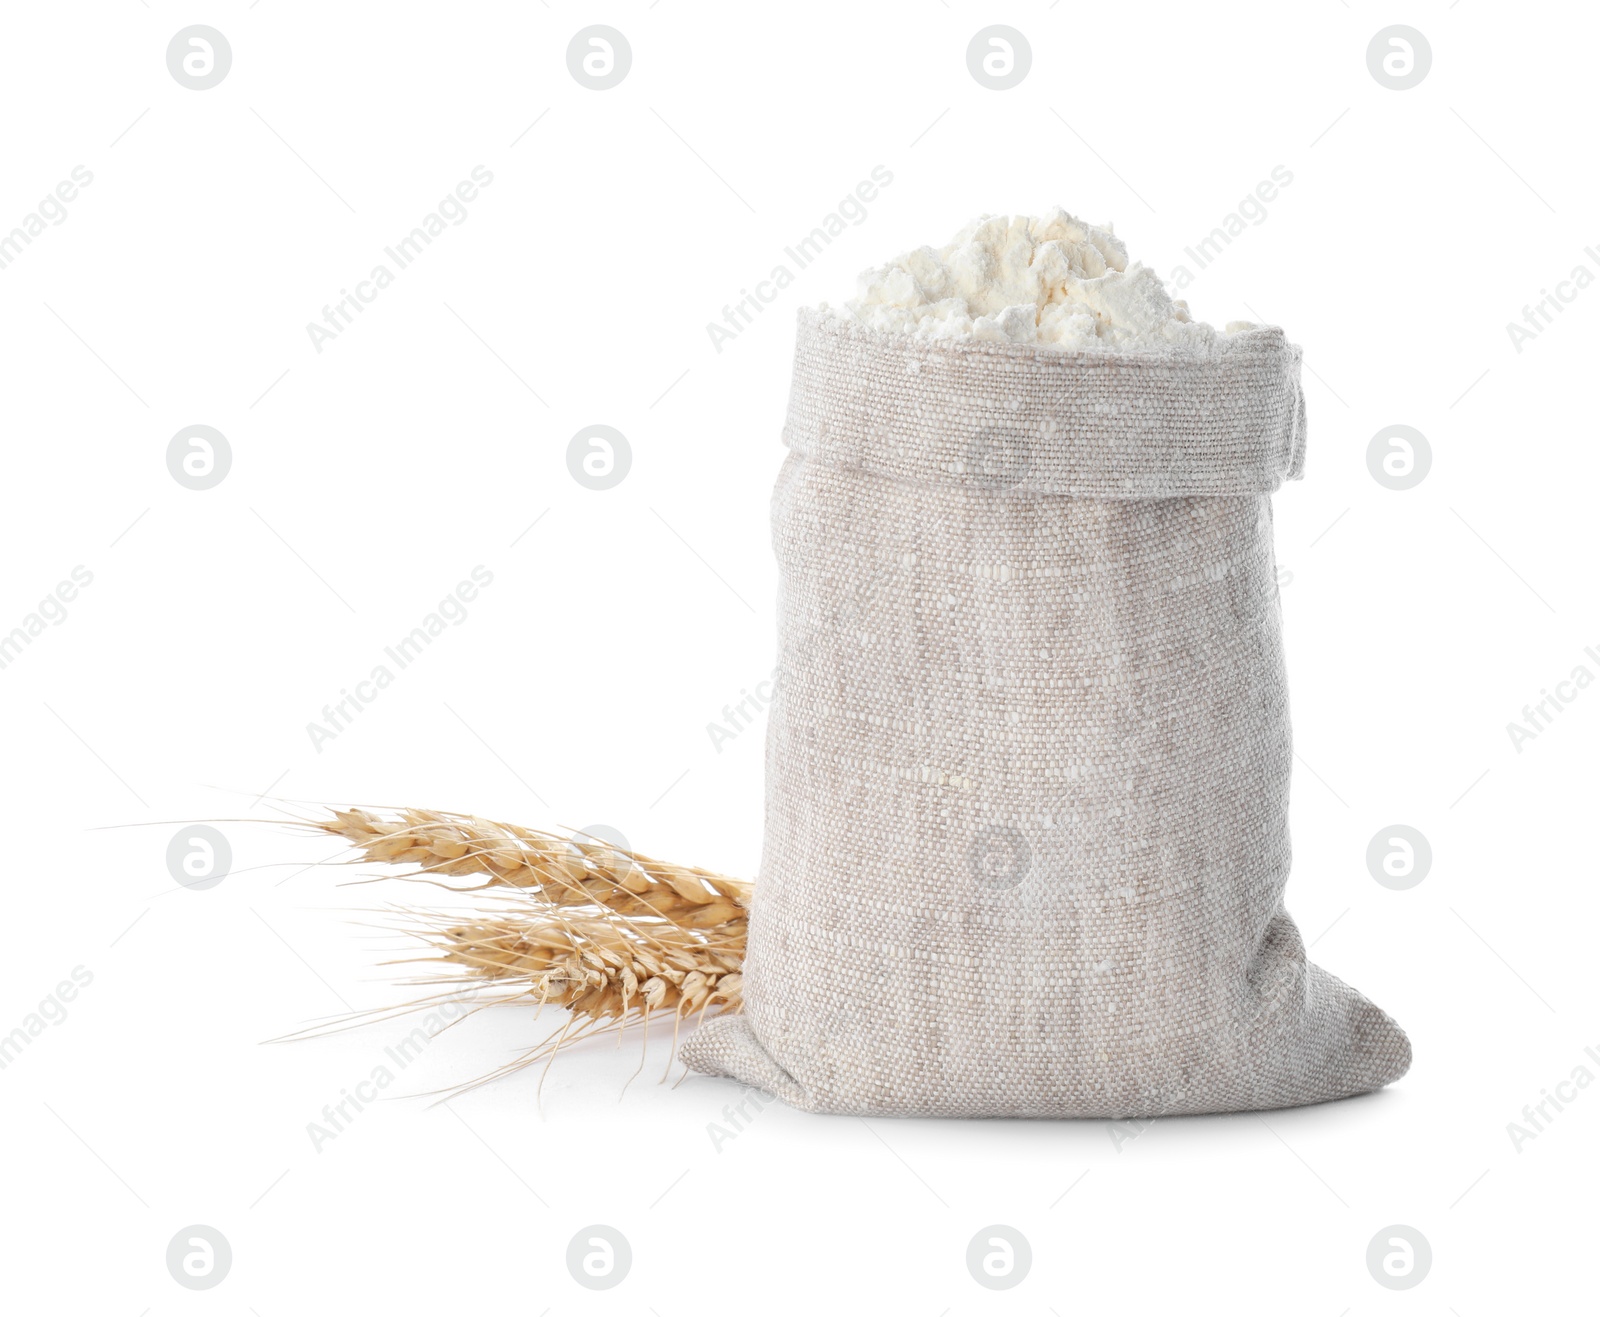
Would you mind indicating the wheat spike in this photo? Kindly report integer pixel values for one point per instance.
(575, 871)
(611, 935)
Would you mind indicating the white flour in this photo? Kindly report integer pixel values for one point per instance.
(1054, 281)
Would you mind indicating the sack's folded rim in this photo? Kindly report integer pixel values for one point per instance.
(1028, 420)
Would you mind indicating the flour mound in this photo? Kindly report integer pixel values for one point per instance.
(1053, 281)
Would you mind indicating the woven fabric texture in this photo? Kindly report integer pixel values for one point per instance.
(1028, 762)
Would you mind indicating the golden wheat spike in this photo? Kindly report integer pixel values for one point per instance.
(577, 871)
(611, 935)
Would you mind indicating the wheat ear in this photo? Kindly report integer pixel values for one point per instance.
(611, 935)
(565, 871)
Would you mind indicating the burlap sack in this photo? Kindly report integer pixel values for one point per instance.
(1028, 764)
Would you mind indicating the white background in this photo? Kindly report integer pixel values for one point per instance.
(369, 478)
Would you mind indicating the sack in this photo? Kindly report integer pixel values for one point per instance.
(1028, 763)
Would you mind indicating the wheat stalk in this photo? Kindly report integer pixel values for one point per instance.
(611, 935)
